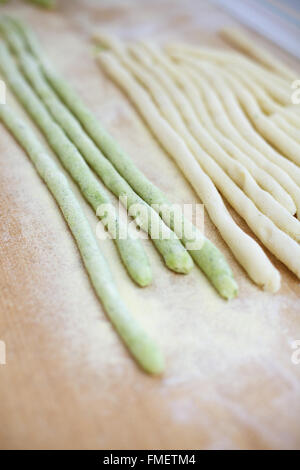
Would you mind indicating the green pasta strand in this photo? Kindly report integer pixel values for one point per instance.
(210, 260)
(130, 249)
(142, 348)
(41, 3)
(44, 3)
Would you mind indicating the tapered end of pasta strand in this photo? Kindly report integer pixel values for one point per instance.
(241, 39)
(179, 261)
(106, 41)
(141, 273)
(135, 260)
(214, 265)
(144, 277)
(141, 346)
(227, 287)
(148, 355)
(274, 284)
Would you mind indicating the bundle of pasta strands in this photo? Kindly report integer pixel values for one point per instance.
(174, 254)
(209, 259)
(72, 145)
(176, 97)
(140, 345)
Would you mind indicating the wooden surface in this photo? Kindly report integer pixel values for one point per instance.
(68, 382)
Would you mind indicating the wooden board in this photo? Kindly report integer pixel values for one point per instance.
(68, 382)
